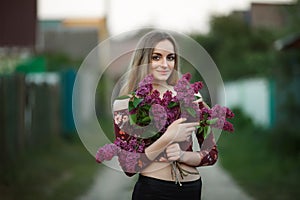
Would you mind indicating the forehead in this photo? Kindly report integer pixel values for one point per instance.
(164, 46)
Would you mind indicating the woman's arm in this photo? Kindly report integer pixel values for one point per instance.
(208, 155)
(132, 162)
(178, 131)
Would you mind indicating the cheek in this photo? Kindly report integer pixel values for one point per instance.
(154, 65)
(172, 65)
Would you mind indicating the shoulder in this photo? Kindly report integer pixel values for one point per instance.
(120, 104)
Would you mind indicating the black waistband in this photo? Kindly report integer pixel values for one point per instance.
(148, 179)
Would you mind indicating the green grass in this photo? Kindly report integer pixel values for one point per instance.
(63, 171)
(265, 171)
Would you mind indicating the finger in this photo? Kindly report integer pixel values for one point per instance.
(173, 154)
(191, 124)
(190, 130)
(173, 158)
(174, 145)
(188, 138)
(163, 159)
(180, 120)
(171, 150)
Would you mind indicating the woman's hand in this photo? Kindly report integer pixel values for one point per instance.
(179, 131)
(176, 132)
(173, 153)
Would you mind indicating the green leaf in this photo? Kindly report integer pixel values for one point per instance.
(200, 129)
(146, 119)
(130, 106)
(147, 107)
(172, 104)
(137, 101)
(123, 97)
(197, 97)
(212, 121)
(132, 119)
(191, 111)
(207, 130)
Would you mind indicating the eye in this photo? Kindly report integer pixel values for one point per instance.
(171, 57)
(156, 57)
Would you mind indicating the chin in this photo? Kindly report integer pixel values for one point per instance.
(161, 78)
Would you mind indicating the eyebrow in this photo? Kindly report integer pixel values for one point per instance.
(161, 54)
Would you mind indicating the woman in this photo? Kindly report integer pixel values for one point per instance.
(156, 54)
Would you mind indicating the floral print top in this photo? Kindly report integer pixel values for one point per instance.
(132, 155)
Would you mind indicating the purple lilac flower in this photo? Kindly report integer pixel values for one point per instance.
(186, 97)
(147, 80)
(172, 115)
(132, 145)
(167, 98)
(160, 116)
(205, 113)
(128, 151)
(228, 126)
(187, 77)
(229, 113)
(128, 160)
(197, 86)
(155, 97)
(144, 90)
(145, 86)
(181, 88)
(220, 123)
(218, 111)
(107, 152)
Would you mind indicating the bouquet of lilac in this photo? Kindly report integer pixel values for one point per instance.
(146, 105)
(150, 116)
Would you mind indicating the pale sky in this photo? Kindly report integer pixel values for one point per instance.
(125, 15)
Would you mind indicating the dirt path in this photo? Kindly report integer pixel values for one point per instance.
(218, 184)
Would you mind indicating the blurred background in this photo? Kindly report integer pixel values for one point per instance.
(255, 45)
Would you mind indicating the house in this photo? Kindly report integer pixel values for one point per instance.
(72, 37)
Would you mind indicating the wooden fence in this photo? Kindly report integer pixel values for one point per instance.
(30, 116)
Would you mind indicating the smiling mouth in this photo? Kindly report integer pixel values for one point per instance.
(162, 72)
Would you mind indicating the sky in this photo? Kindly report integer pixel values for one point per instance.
(125, 15)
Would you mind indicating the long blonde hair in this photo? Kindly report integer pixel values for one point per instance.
(141, 60)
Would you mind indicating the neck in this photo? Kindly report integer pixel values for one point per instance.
(161, 85)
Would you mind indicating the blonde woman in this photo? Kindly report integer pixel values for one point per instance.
(156, 54)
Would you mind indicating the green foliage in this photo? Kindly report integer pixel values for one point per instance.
(265, 171)
(62, 172)
(293, 17)
(237, 49)
(263, 161)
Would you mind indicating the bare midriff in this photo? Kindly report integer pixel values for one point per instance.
(162, 170)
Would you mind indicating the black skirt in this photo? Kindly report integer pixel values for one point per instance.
(156, 189)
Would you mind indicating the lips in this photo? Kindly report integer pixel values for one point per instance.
(163, 72)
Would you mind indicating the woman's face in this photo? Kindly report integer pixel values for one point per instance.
(162, 61)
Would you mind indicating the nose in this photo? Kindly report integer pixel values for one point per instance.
(164, 63)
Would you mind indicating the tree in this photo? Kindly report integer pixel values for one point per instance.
(238, 50)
